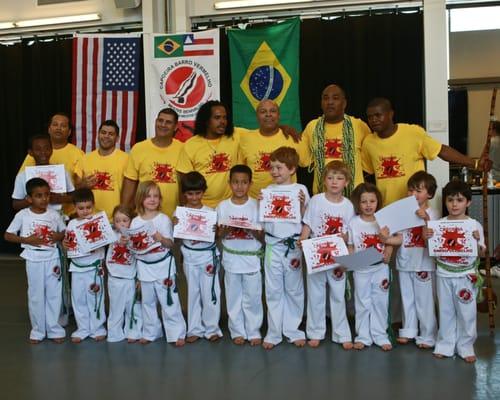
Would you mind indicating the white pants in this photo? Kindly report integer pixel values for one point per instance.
(417, 297)
(122, 323)
(244, 304)
(88, 306)
(203, 314)
(284, 294)
(44, 299)
(371, 300)
(457, 316)
(173, 321)
(316, 303)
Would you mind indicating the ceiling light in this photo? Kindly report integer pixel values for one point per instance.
(57, 20)
(220, 5)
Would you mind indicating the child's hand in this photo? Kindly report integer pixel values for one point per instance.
(387, 254)
(302, 198)
(260, 196)
(168, 243)
(138, 285)
(421, 213)
(175, 220)
(384, 234)
(427, 233)
(475, 235)
(345, 236)
(123, 240)
(89, 181)
(56, 237)
(34, 240)
(157, 237)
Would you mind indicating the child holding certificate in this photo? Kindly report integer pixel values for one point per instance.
(328, 213)
(457, 282)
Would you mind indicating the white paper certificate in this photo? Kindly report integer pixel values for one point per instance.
(280, 206)
(452, 238)
(54, 175)
(399, 215)
(195, 224)
(140, 240)
(361, 259)
(240, 222)
(94, 232)
(321, 253)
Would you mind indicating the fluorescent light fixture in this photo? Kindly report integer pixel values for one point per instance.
(221, 5)
(58, 20)
(7, 25)
(474, 19)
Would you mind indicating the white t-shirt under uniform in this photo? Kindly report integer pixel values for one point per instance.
(325, 217)
(120, 262)
(363, 235)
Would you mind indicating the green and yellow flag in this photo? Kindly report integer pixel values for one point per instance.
(265, 65)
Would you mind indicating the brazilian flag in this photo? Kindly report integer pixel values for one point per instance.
(265, 65)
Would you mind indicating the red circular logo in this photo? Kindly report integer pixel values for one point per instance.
(185, 87)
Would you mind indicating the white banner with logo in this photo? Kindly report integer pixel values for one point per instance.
(183, 75)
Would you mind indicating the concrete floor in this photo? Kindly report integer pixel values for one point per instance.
(224, 371)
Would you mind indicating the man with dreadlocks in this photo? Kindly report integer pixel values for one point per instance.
(335, 136)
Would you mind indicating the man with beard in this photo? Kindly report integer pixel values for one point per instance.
(102, 170)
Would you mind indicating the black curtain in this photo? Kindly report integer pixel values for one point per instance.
(458, 117)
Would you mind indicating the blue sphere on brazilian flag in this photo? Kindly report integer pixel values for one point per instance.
(266, 82)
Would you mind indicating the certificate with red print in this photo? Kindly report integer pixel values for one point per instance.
(452, 238)
(92, 233)
(195, 224)
(280, 206)
(140, 240)
(321, 253)
(54, 175)
(240, 222)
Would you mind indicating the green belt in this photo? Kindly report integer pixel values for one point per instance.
(169, 293)
(168, 254)
(259, 253)
(216, 263)
(289, 242)
(473, 267)
(97, 297)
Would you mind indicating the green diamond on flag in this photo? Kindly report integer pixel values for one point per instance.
(265, 65)
(168, 46)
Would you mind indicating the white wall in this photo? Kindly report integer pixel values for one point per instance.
(476, 55)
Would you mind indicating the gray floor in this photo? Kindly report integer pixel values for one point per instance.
(224, 371)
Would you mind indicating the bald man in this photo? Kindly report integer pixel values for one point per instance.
(257, 145)
(334, 136)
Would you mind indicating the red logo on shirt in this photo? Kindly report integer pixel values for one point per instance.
(372, 240)
(332, 225)
(43, 232)
(103, 181)
(415, 238)
(219, 162)
(390, 167)
(238, 233)
(333, 148)
(263, 164)
(163, 173)
(70, 239)
(120, 254)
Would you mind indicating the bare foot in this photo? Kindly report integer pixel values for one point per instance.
(437, 355)
(313, 343)
(144, 341)
(424, 346)
(470, 359)
(214, 338)
(239, 340)
(358, 346)
(386, 347)
(130, 341)
(192, 339)
(100, 338)
(347, 345)
(267, 345)
(180, 343)
(35, 341)
(299, 343)
(58, 340)
(255, 342)
(76, 340)
(402, 340)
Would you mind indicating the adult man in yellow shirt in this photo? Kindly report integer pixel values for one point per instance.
(155, 160)
(257, 145)
(396, 151)
(334, 136)
(102, 170)
(212, 151)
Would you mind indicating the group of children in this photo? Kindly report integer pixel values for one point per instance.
(138, 282)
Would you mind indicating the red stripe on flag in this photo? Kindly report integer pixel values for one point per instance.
(124, 126)
(202, 41)
(114, 101)
(95, 69)
(85, 46)
(73, 86)
(198, 52)
(134, 123)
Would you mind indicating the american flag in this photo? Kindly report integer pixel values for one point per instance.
(105, 86)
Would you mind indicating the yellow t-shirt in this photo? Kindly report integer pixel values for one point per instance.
(255, 150)
(109, 171)
(150, 162)
(333, 145)
(395, 159)
(213, 159)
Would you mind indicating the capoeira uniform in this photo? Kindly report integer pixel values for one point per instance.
(156, 271)
(284, 284)
(87, 287)
(457, 282)
(201, 267)
(327, 218)
(125, 312)
(44, 272)
(241, 258)
(416, 279)
(371, 286)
